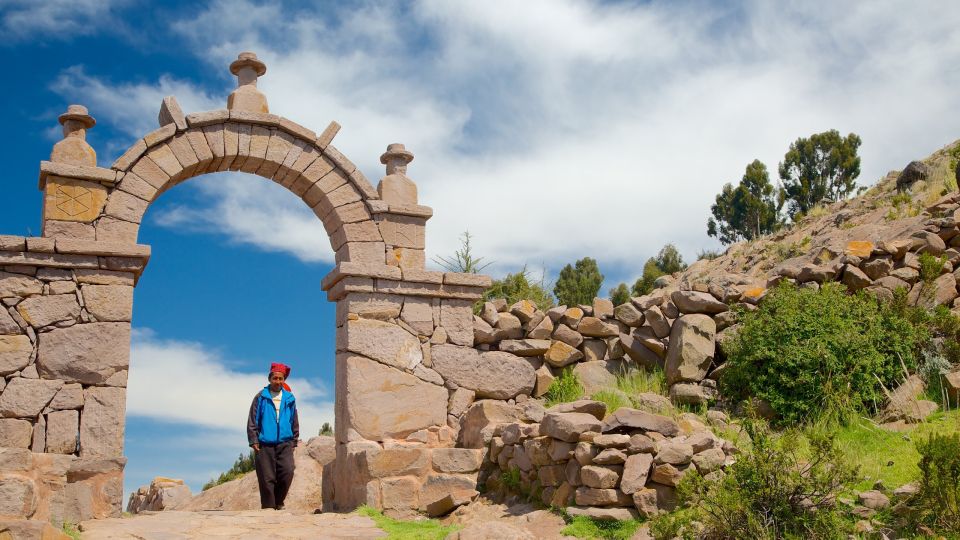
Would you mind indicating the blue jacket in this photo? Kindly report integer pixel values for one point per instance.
(263, 425)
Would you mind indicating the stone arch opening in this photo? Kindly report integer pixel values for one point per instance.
(396, 422)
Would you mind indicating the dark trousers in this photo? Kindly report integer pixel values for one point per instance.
(274, 465)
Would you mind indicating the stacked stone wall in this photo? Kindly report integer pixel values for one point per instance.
(64, 355)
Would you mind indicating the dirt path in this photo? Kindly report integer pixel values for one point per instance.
(244, 525)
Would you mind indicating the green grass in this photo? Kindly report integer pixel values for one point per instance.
(584, 527)
(71, 530)
(638, 381)
(427, 529)
(613, 399)
(564, 389)
(891, 456)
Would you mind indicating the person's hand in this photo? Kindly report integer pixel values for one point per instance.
(256, 447)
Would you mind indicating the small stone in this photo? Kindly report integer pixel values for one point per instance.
(568, 426)
(16, 433)
(709, 460)
(610, 456)
(697, 302)
(561, 354)
(674, 453)
(26, 398)
(874, 500)
(612, 441)
(40, 311)
(627, 418)
(636, 471)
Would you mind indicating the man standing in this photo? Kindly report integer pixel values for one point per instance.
(273, 429)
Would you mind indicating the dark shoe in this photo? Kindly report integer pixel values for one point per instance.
(280, 507)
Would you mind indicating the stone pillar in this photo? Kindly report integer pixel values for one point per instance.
(391, 405)
(401, 220)
(75, 189)
(246, 97)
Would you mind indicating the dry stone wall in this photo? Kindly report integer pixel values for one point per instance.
(64, 355)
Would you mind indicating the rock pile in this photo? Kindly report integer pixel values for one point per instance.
(620, 466)
(673, 329)
(161, 494)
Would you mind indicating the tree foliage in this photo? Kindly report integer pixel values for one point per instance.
(747, 211)
(820, 168)
(462, 260)
(667, 261)
(620, 294)
(578, 284)
(519, 286)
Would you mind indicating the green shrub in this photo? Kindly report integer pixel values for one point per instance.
(810, 352)
(240, 467)
(931, 267)
(620, 294)
(777, 489)
(511, 479)
(937, 503)
(516, 287)
(564, 388)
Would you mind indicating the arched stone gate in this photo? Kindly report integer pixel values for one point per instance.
(68, 299)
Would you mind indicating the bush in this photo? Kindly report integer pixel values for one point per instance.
(807, 352)
(775, 490)
(564, 388)
(516, 287)
(240, 467)
(620, 294)
(931, 267)
(937, 503)
(579, 283)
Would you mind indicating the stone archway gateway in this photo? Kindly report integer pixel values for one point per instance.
(68, 299)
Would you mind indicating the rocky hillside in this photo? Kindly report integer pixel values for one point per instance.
(894, 221)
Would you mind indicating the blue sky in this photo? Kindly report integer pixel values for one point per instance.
(551, 129)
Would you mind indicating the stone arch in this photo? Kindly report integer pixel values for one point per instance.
(393, 413)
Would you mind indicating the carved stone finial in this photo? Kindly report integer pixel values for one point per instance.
(396, 158)
(396, 187)
(73, 148)
(247, 67)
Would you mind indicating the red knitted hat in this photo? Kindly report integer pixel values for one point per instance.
(277, 367)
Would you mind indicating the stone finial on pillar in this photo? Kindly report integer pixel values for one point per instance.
(396, 187)
(246, 97)
(73, 149)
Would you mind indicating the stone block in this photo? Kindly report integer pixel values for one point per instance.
(457, 460)
(15, 353)
(103, 277)
(478, 424)
(85, 353)
(15, 433)
(418, 314)
(165, 158)
(456, 317)
(69, 199)
(122, 205)
(691, 350)
(381, 341)
(68, 229)
(116, 230)
(171, 113)
(369, 393)
(18, 496)
(400, 493)
(63, 428)
(18, 285)
(108, 303)
(40, 311)
(397, 461)
(26, 398)
(459, 488)
(70, 396)
(496, 375)
(403, 231)
(148, 170)
(568, 426)
(102, 421)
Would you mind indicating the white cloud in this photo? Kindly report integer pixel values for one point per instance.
(50, 20)
(183, 382)
(554, 130)
(252, 211)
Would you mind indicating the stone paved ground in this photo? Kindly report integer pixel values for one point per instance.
(245, 525)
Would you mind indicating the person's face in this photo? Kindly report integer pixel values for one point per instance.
(276, 381)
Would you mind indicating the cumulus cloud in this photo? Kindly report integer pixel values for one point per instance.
(187, 383)
(554, 130)
(250, 211)
(57, 19)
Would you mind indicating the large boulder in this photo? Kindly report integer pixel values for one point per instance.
(913, 172)
(691, 349)
(498, 375)
(697, 302)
